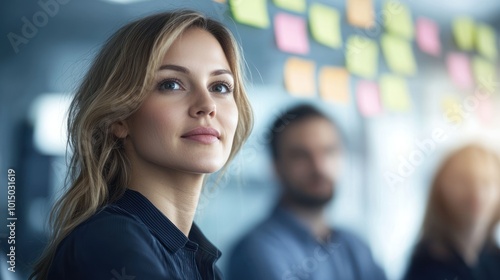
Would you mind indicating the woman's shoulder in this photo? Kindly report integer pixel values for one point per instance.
(109, 240)
(107, 217)
(107, 230)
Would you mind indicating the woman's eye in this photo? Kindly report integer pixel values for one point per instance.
(169, 85)
(221, 88)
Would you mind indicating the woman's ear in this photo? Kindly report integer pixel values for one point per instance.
(120, 129)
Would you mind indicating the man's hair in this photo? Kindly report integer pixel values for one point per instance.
(292, 115)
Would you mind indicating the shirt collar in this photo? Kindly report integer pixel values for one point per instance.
(168, 234)
(294, 224)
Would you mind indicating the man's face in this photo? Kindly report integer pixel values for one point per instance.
(308, 161)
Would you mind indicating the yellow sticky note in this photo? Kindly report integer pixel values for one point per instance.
(360, 13)
(250, 12)
(362, 56)
(395, 93)
(484, 73)
(324, 23)
(486, 41)
(452, 109)
(397, 19)
(298, 6)
(398, 54)
(334, 85)
(463, 33)
(299, 77)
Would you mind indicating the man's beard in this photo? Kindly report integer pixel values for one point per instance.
(306, 200)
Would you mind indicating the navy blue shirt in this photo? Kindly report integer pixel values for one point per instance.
(282, 247)
(132, 239)
(426, 264)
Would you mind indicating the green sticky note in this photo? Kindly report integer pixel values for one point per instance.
(292, 5)
(250, 12)
(362, 56)
(398, 54)
(398, 20)
(324, 23)
(484, 73)
(463, 33)
(395, 94)
(486, 41)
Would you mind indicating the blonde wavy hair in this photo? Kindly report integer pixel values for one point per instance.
(115, 86)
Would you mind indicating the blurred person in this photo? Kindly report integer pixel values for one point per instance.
(457, 239)
(162, 105)
(295, 241)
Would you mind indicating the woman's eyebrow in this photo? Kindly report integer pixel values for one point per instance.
(174, 68)
(221, 72)
(184, 70)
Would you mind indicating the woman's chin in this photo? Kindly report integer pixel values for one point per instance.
(207, 168)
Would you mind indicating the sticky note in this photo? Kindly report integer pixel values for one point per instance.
(334, 85)
(298, 6)
(250, 12)
(360, 13)
(486, 41)
(484, 73)
(324, 23)
(459, 69)
(300, 77)
(395, 93)
(463, 33)
(398, 54)
(291, 33)
(428, 36)
(362, 56)
(452, 109)
(397, 19)
(368, 98)
(485, 111)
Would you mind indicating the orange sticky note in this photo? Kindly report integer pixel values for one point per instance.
(334, 85)
(360, 13)
(368, 97)
(299, 77)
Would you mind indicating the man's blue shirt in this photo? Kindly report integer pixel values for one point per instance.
(282, 248)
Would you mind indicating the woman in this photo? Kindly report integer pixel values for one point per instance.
(162, 105)
(464, 208)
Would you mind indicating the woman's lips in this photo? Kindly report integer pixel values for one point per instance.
(205, 135)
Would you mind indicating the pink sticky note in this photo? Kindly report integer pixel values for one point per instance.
(428, 36)
(459, 69)
(485, 111)
(368, 98)
(291, 33)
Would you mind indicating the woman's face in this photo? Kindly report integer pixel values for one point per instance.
(188, 121)
(471, 189)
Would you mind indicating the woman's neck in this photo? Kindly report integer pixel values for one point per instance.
(174, 193)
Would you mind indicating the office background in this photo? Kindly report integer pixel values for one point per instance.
(426, 83)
